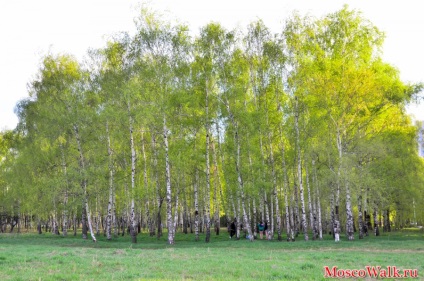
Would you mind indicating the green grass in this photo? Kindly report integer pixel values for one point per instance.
(48, 257)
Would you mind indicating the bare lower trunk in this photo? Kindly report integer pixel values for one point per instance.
(299, 172)
(55, 226)
(241, 188)
(349, 215)
(286, 203)
(376, 229)
(90, 225)
(295, 206)
(360, 220)
(292, 220)
(149, 220)
(318, 201)
(170, 224)
(218, 188)
(110, 202)
(65, 199)
(38, 226)
(196, 206)
(207, 215)
(84, 186)
(277, 208)
(311, 210)
(387, 227)
(254, 220)
(239, 220)
(75, 223)
(267, 220)
(286, 189)
(175, 226)
(133, 221)
(159, 198)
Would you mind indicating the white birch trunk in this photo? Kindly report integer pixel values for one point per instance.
(241, 187)
(299, 172)
(217, 189)
(146, 187)
(339, 178)
(239, 220)
(275, 195)
(159, 198)
(308, 187)
(170, 224)
(318, 208)
(208, 182)
(55, 228)
(349, 215)
(65, 199)
(175, 226)
(255, 221)
(292, 219)
(84, 182)
(266, 208)
(90, 225)
(110, 203)
(286, 188)
(133, 221)
(196, 205)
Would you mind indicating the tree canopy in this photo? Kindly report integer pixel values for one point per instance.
(304, 130)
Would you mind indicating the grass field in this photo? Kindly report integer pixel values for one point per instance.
(49, 257)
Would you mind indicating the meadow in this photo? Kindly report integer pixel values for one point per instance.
(30, 256)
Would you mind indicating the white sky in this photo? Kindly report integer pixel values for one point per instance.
(29, 29)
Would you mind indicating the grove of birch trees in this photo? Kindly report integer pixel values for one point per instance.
(167, 130)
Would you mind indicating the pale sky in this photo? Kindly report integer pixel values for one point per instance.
(30, 29)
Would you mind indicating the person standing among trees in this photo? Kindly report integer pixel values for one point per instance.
(261, 228)
(232, 229)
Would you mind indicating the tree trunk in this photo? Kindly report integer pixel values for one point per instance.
(171, 233)
(55, 226)
(254, 221)
(207, 217)
(216, 155)
(159, 197)
(376, 229)
(175, 226)
(217, 187)
(38, 226)
(90, 225)
(299, 172)
(292, 220)
(110, 203)
(360, 219)
(65, 199)
(196, 205)
(75, 224)
(387, 221)
(311, 210)
(149, 221)
(318, 201)
(241, 187)
(286, 187)
(133, 222)
(349, 215)
(86, 210)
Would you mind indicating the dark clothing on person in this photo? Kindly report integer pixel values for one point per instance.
(232, 229)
